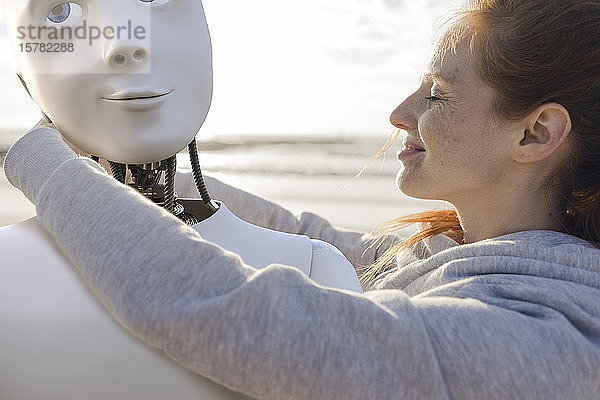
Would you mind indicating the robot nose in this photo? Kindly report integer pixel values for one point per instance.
(127, 57)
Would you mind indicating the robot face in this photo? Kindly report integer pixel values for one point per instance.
(127, 80)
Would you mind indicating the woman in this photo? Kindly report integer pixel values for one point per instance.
(498, 300)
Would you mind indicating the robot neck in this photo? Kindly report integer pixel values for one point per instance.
(156, 182)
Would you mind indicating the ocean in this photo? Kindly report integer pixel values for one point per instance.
(346, 71)
(313, 173)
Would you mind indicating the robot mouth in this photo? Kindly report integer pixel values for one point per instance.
(132, 95)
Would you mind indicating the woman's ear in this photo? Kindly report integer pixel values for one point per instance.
(545, 129)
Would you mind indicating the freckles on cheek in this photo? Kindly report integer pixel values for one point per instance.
(432, 129)
(439, 138)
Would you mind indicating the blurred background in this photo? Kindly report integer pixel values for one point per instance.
(302, 97)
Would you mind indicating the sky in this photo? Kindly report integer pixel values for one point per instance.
(286, 67)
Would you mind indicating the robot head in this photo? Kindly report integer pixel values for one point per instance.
(127, 80)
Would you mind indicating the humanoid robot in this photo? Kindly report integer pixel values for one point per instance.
(137, 100)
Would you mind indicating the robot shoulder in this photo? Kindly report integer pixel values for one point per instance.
(330, 268)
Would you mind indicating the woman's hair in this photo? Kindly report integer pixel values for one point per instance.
(531, 52)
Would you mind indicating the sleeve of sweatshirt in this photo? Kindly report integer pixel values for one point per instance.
(360, 248)
(269, 333)
(275, 334)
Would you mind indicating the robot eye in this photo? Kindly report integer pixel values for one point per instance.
(62, 12)
(155, 3)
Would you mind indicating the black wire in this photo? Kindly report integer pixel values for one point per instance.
(189, 219)
(197, 172)
(170, 183)
(118, 170)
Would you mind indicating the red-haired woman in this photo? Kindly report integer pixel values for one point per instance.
(499, 299)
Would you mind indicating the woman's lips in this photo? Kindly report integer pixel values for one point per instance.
(408, 151)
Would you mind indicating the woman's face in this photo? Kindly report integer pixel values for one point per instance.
(466, 149)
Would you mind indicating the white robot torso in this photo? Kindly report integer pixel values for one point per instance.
(260, 247)
(58, 342)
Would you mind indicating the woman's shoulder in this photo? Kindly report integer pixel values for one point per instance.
(528, 258)
(425, 248)
(526, 243)
(546, 238)
(545, 245)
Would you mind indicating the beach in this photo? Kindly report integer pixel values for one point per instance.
(313, 173)
(344, 73)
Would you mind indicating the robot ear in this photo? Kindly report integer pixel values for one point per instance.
(31, 97)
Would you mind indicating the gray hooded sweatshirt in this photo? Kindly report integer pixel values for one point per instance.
(511, 317)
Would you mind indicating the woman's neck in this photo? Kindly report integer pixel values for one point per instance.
(511, 211)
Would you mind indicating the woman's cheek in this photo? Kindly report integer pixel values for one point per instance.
(434, 133)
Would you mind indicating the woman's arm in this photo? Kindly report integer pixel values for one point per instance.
(357, 247)
(273, 333)
(269, 333)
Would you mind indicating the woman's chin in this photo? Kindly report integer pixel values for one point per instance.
(407, 189)
(405, 184)
(414, 189)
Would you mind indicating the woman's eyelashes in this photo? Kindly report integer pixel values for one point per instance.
(435, 95)
(436, 99)
(433, 98)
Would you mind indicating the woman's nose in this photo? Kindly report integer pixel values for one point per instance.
(405, 115)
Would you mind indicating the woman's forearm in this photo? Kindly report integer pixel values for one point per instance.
(266, 333)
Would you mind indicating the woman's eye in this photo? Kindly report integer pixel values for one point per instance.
(433, 98)
(155, 3)
(61, 13)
